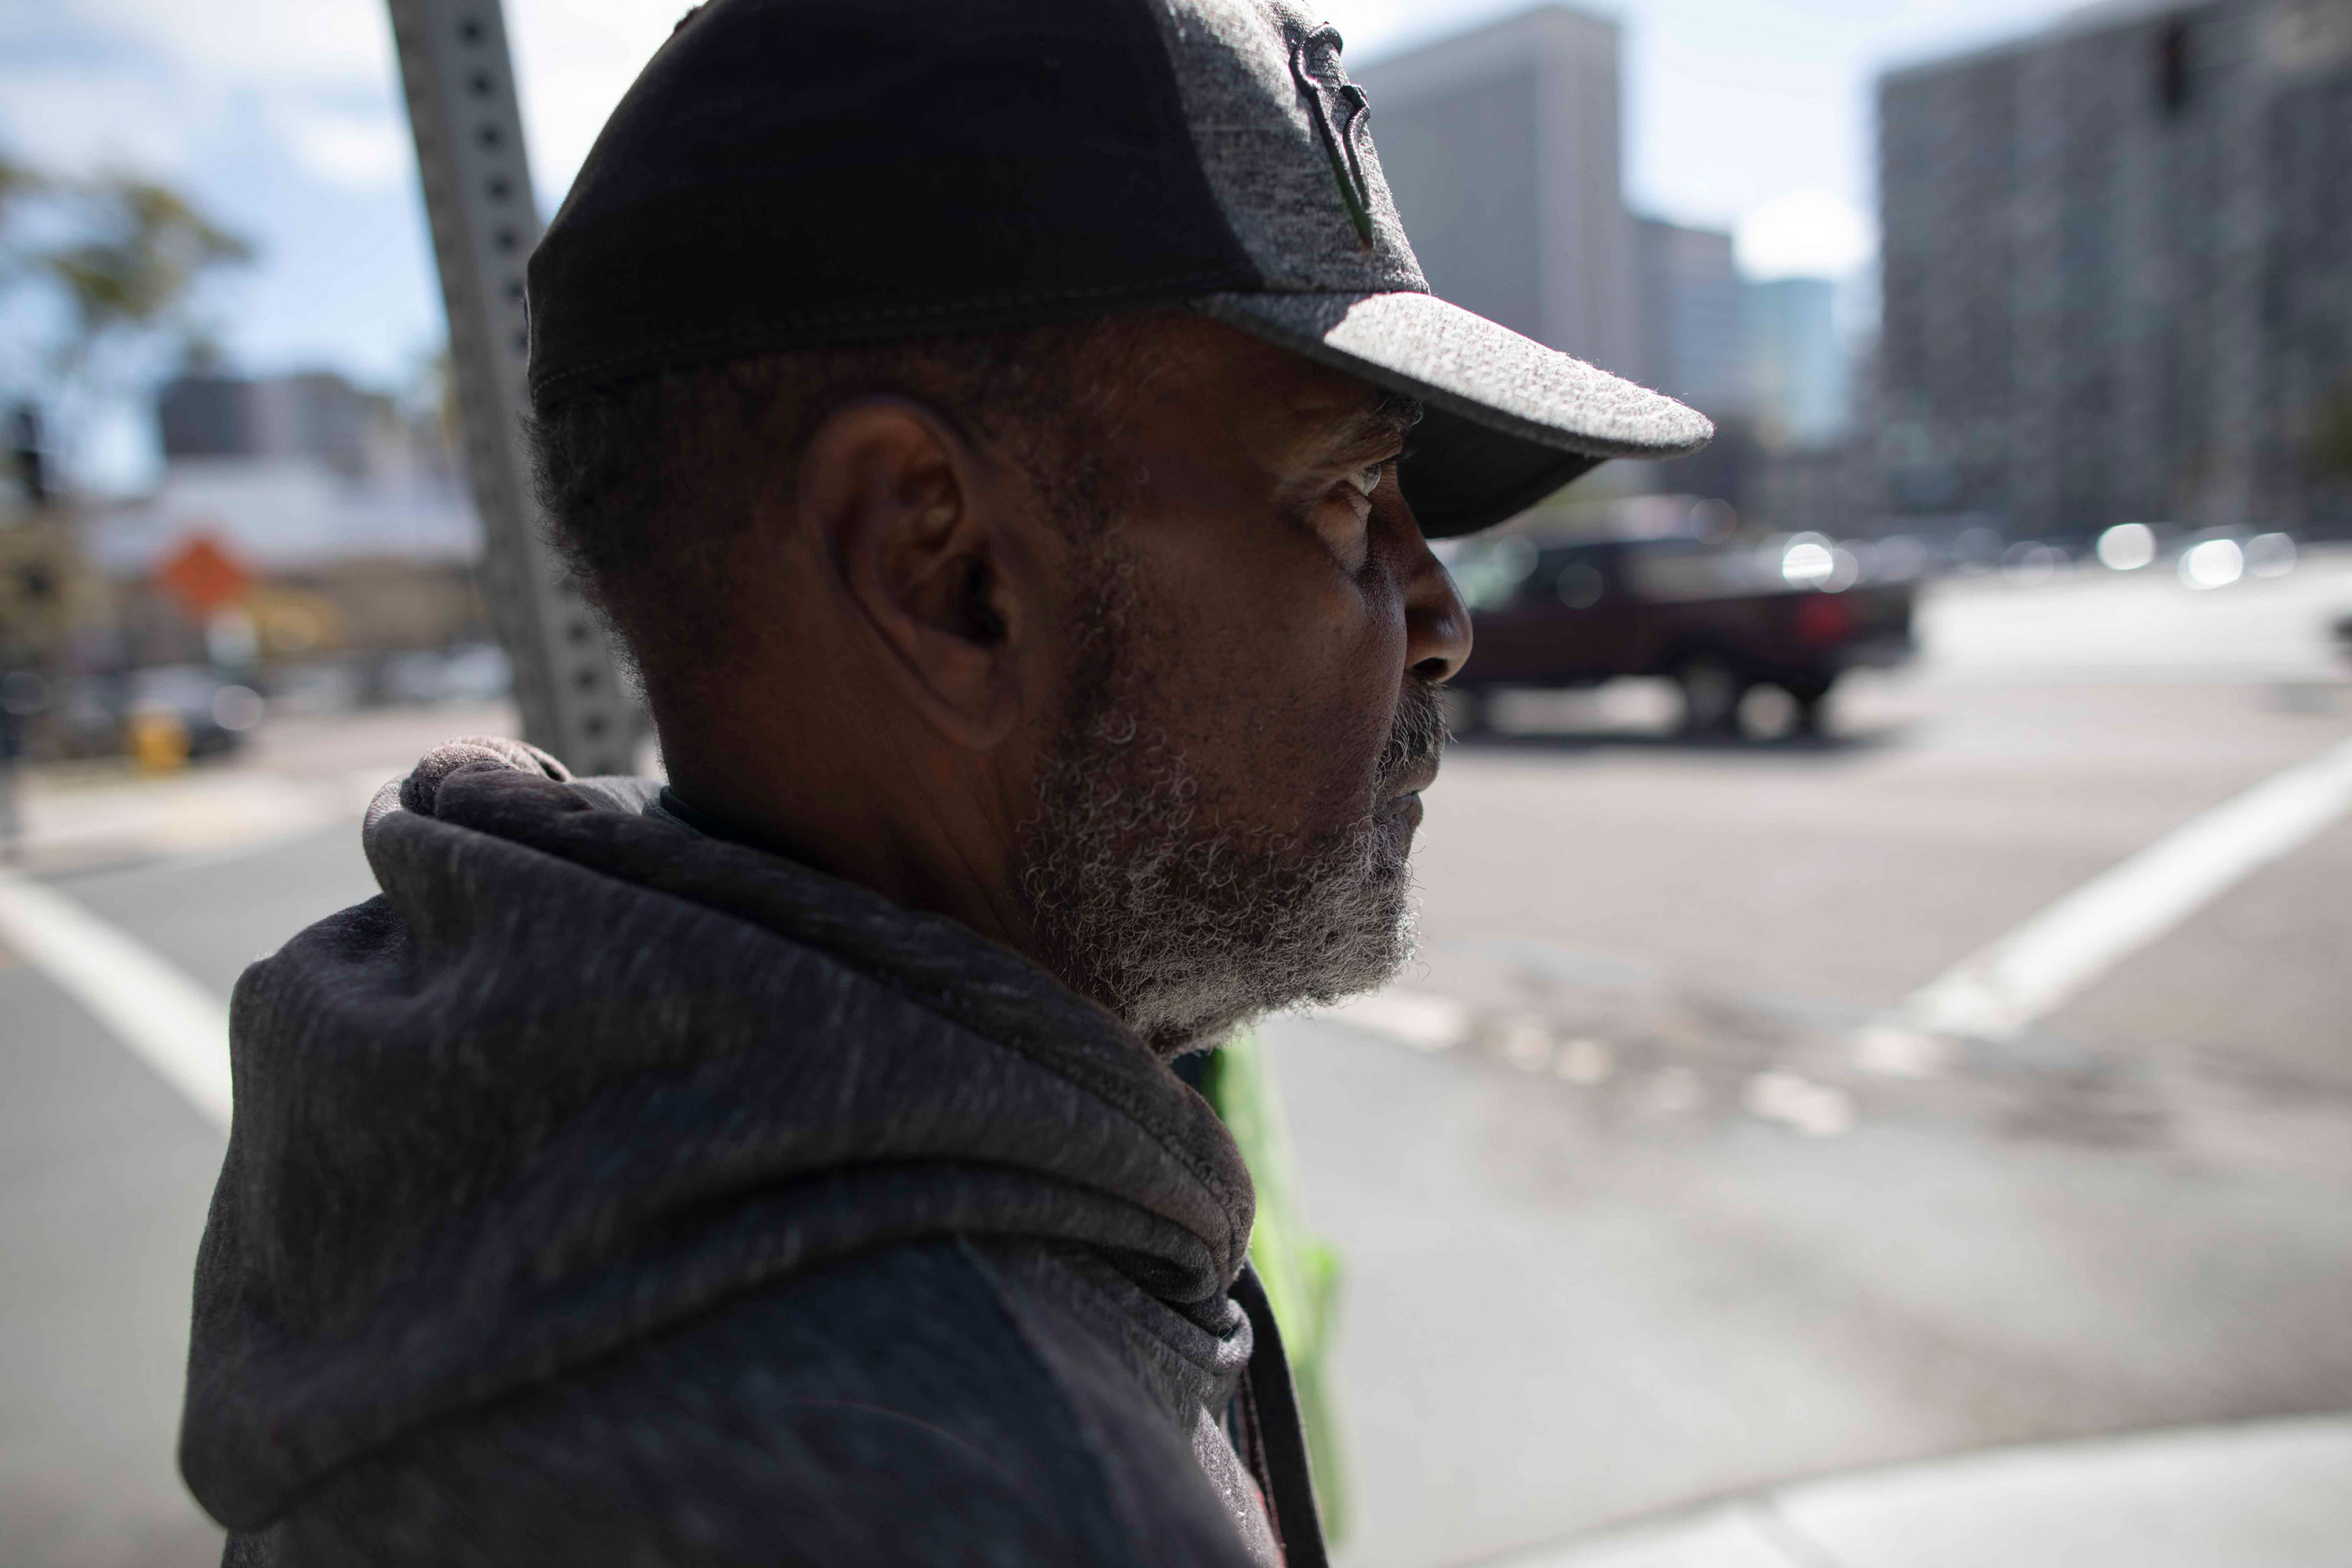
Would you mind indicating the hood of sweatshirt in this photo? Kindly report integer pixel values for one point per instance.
(579, 1074)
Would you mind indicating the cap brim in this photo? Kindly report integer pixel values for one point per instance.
(1508, 422)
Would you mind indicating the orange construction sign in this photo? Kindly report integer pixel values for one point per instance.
(203, 575)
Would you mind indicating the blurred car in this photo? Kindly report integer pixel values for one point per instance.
(213, 712)
(2217, 557)
(1719, 619)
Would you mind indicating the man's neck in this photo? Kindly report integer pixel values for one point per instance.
(917, 860)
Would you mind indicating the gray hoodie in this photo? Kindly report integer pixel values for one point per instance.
(607, 1193)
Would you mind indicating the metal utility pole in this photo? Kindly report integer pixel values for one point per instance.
(459, 79)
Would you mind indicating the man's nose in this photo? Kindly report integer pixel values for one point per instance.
(1437, 622)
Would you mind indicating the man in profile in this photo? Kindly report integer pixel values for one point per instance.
(1006, 435)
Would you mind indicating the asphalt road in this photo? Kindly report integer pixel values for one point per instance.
(1586, 1278)
(1572, 1303)
(108, 1173)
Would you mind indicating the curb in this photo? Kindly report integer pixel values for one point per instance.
(2272, 1494)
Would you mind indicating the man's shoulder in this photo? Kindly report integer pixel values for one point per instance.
(885, 1409)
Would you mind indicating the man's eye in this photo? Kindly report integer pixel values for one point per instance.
(1367, 479)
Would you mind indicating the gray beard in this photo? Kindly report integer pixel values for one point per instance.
(1182, 922)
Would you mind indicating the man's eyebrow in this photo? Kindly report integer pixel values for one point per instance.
(1384, 423)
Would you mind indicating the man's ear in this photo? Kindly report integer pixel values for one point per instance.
(920, 533)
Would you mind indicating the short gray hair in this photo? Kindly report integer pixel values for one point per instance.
(652, 485)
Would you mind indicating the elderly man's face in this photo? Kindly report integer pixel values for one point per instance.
(1223, 816)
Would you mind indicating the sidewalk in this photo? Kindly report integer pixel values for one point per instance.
(2274, 1494)
(298, 774)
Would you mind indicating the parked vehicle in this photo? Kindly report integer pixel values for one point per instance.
(1719, 619)
(210, 713)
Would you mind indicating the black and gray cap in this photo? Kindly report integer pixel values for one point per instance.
(790, 174)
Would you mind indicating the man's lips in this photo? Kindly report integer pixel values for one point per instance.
(1404, 805)
(1418, 777)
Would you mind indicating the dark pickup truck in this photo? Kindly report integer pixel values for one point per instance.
(1719, 619)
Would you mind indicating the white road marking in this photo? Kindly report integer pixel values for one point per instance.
(1996, 994)
(168, 1020)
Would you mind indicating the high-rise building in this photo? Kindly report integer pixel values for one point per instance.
(1689, 290)
(1502, 147)
(1795, 367)
(2119, 270)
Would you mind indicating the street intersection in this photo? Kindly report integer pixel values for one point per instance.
(1634, 1212)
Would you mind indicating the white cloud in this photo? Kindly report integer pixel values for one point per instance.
(359, 150)
(316, 42)
(80, 122)
(575, 58)
(1808, 234)
(149, 84)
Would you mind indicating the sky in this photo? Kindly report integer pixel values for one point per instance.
(284, 117)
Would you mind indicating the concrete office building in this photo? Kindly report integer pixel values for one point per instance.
(289, 471)
(313, 415)
(1766, 355)
(1689, 290)
(2119, 270)
(1502, 146)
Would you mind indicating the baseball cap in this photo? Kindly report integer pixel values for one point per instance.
(796, 173)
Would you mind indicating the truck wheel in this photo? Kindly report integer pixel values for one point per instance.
(1711, 690)
(1813, 699)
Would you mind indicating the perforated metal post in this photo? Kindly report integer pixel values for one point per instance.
(459, 79)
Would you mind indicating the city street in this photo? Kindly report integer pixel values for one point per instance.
(1642, 1202)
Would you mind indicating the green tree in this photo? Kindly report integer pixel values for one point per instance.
(102, 279)
(132, 271)
(116, 264)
